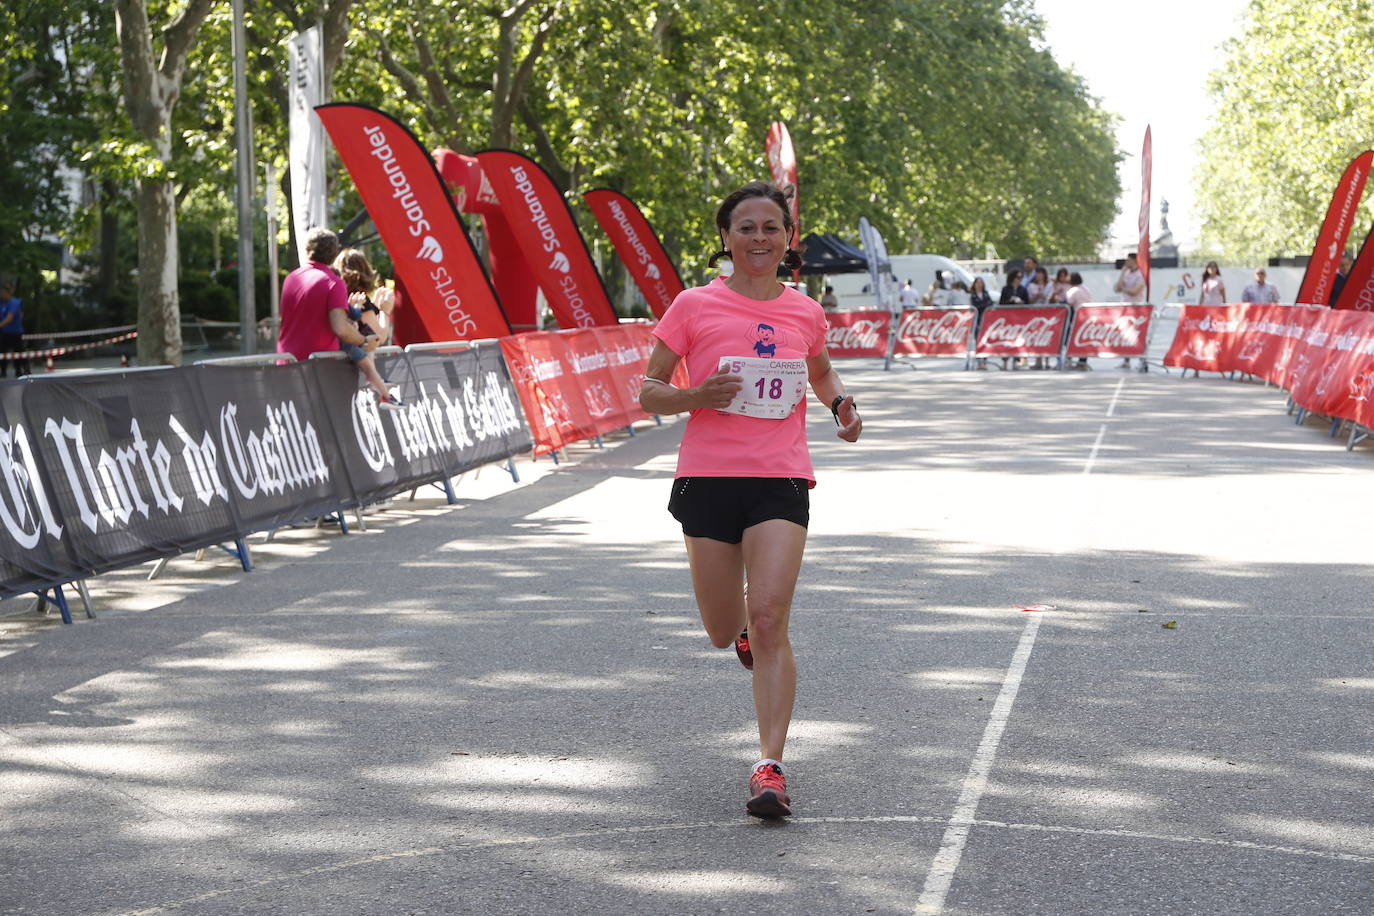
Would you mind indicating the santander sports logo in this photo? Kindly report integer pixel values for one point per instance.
(560, 262)
(432, 250)
(652, 272)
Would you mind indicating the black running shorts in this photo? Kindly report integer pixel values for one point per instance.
(721, 508)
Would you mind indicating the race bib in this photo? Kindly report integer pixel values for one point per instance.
(772, 387)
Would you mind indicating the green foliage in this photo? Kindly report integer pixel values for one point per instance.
(945, 122)
(1294, 103)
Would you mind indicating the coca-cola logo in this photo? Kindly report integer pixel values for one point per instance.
(864, 334)
(935, 328)
(1041, 331)
(1118, 333)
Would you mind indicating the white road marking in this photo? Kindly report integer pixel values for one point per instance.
(941, 874)
(1111, 408)
(1102, 432)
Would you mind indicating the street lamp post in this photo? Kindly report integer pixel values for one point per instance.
(243, 123)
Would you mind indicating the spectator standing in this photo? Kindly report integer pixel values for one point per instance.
(1131, 285)
(1038, 293)
(908, 297)
(981, 299)
(1013, 293)
(1076, 295)
(828, 300)
(1059, 290)
(1131, 282)
(1212, 291)
(1260, 292)
(11, 330)
(1347, 262)
(958, 295)
(310, 295)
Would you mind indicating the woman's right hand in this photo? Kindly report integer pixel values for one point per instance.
(718, 390)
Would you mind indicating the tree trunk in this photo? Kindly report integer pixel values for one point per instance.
(159, 313)
(152, 84)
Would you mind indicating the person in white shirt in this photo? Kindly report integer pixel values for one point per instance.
(1131, 283)
(1077, 295)
(1131, 286)
(908, 297)
(1260, 292)
(1213, 291)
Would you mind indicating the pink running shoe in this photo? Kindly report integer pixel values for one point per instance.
(768, 792)
(746, 657)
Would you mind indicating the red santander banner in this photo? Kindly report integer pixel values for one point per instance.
(638, 247)
(1323, 356)
(553, 247)
(853, 334)
(405, 197)
(1030, 331)
(935, 332)
(1110, 330)
(1340, 216)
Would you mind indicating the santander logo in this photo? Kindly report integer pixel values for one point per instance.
(652, 272)
(431, 249)
(560, 262)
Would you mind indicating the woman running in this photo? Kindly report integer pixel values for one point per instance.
(741, 491)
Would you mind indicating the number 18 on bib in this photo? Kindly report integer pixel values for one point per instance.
(772, 387)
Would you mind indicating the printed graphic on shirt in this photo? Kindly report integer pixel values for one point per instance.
(766, 339)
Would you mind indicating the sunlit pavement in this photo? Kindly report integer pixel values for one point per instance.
(509, 706)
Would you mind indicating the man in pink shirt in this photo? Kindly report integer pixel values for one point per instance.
(308, 296)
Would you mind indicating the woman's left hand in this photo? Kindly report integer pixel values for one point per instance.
(850, 422)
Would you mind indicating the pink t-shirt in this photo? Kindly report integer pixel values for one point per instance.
(708, 322)
(307, 295)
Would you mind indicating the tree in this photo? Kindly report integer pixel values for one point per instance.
(1293, 105)
(151, 88)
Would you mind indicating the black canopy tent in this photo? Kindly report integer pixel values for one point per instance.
(828, 254)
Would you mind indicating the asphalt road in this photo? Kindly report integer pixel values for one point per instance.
(508, 706)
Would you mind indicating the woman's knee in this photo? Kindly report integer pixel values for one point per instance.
(768, 625)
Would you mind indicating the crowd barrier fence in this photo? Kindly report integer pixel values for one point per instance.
(1089, 330)
(1324, 358)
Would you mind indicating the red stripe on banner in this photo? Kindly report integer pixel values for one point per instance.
(1110, 330)
(935, 332)
(408, 203)
(1022, 331)
(553, 247)
(854, 334)
(1143, 247)
(1331, 238)
(1358, 292)
(638, 247)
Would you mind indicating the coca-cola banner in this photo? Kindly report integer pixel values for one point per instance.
(549, 239)
(106, 470)
(857, 333)
(1022, 331)
(408, 203)
(638, 247)
(935, 332)
(1325, 358)
(1335, 229)
(1110, 330)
